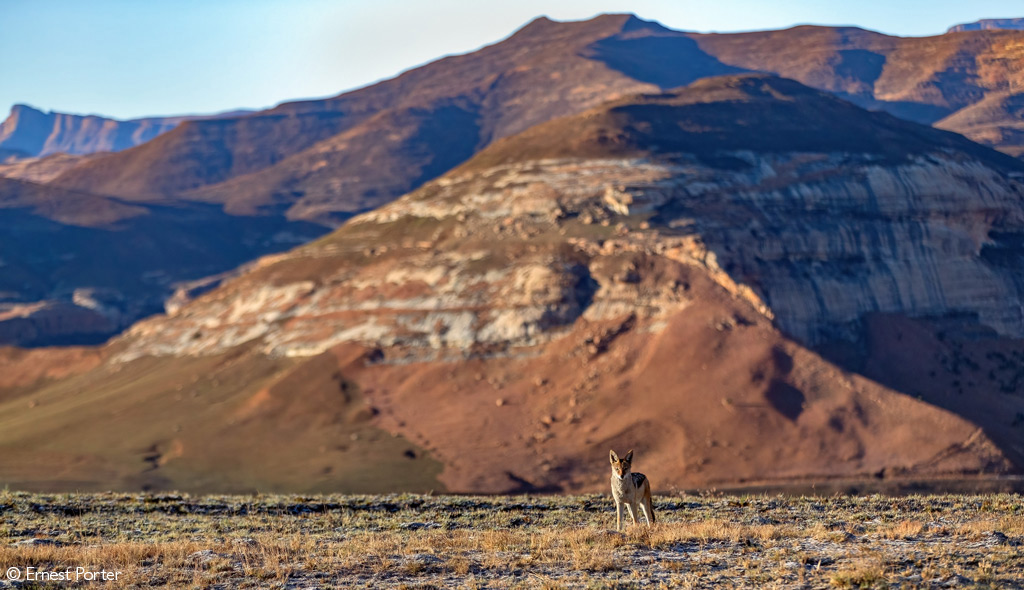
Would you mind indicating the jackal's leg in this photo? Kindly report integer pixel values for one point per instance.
(632, 512)
(618, 516)
(645, 507)
(646, 501)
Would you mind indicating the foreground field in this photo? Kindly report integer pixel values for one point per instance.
(510, 542)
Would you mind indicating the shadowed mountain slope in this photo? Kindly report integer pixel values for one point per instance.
(502, 326)
(79, 268)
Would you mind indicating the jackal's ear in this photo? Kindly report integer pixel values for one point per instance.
(629, 456)
(613, 457)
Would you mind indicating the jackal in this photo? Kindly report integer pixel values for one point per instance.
(632, 490)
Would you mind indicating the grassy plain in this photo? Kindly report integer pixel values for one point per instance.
(412, 541)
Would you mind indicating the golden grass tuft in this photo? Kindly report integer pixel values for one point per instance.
(905, 529)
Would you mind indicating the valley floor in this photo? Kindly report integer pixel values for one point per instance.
(406, 541)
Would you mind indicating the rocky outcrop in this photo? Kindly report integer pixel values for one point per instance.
(814, 242)
(810, 232)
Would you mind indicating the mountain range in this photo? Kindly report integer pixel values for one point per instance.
(670, 271)
(321, 161)
(781, 256)
(299, 155)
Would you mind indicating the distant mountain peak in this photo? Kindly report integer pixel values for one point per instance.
(990, 24)
(610, 23)
(635, 23)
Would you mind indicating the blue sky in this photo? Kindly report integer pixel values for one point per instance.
(130, 58)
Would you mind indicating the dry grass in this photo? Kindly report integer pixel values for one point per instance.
(517, 542)
(905, 529)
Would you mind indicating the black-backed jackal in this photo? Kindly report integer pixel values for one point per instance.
(632, 490)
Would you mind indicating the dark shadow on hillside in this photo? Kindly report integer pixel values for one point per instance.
(667, 61)
(860, 64)
(785, 399)
(586, 287)
(954, 362)
(447, 136)
(925, 114)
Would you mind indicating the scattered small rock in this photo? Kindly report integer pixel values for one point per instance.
(38, 543)
(957, 581)
(1000, 538)
(425, 560)
(415, 526)
(613, 533)
(844, 537)
(203, 556)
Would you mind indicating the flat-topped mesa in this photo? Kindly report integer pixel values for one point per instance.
(35, 133)
(990, 24)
